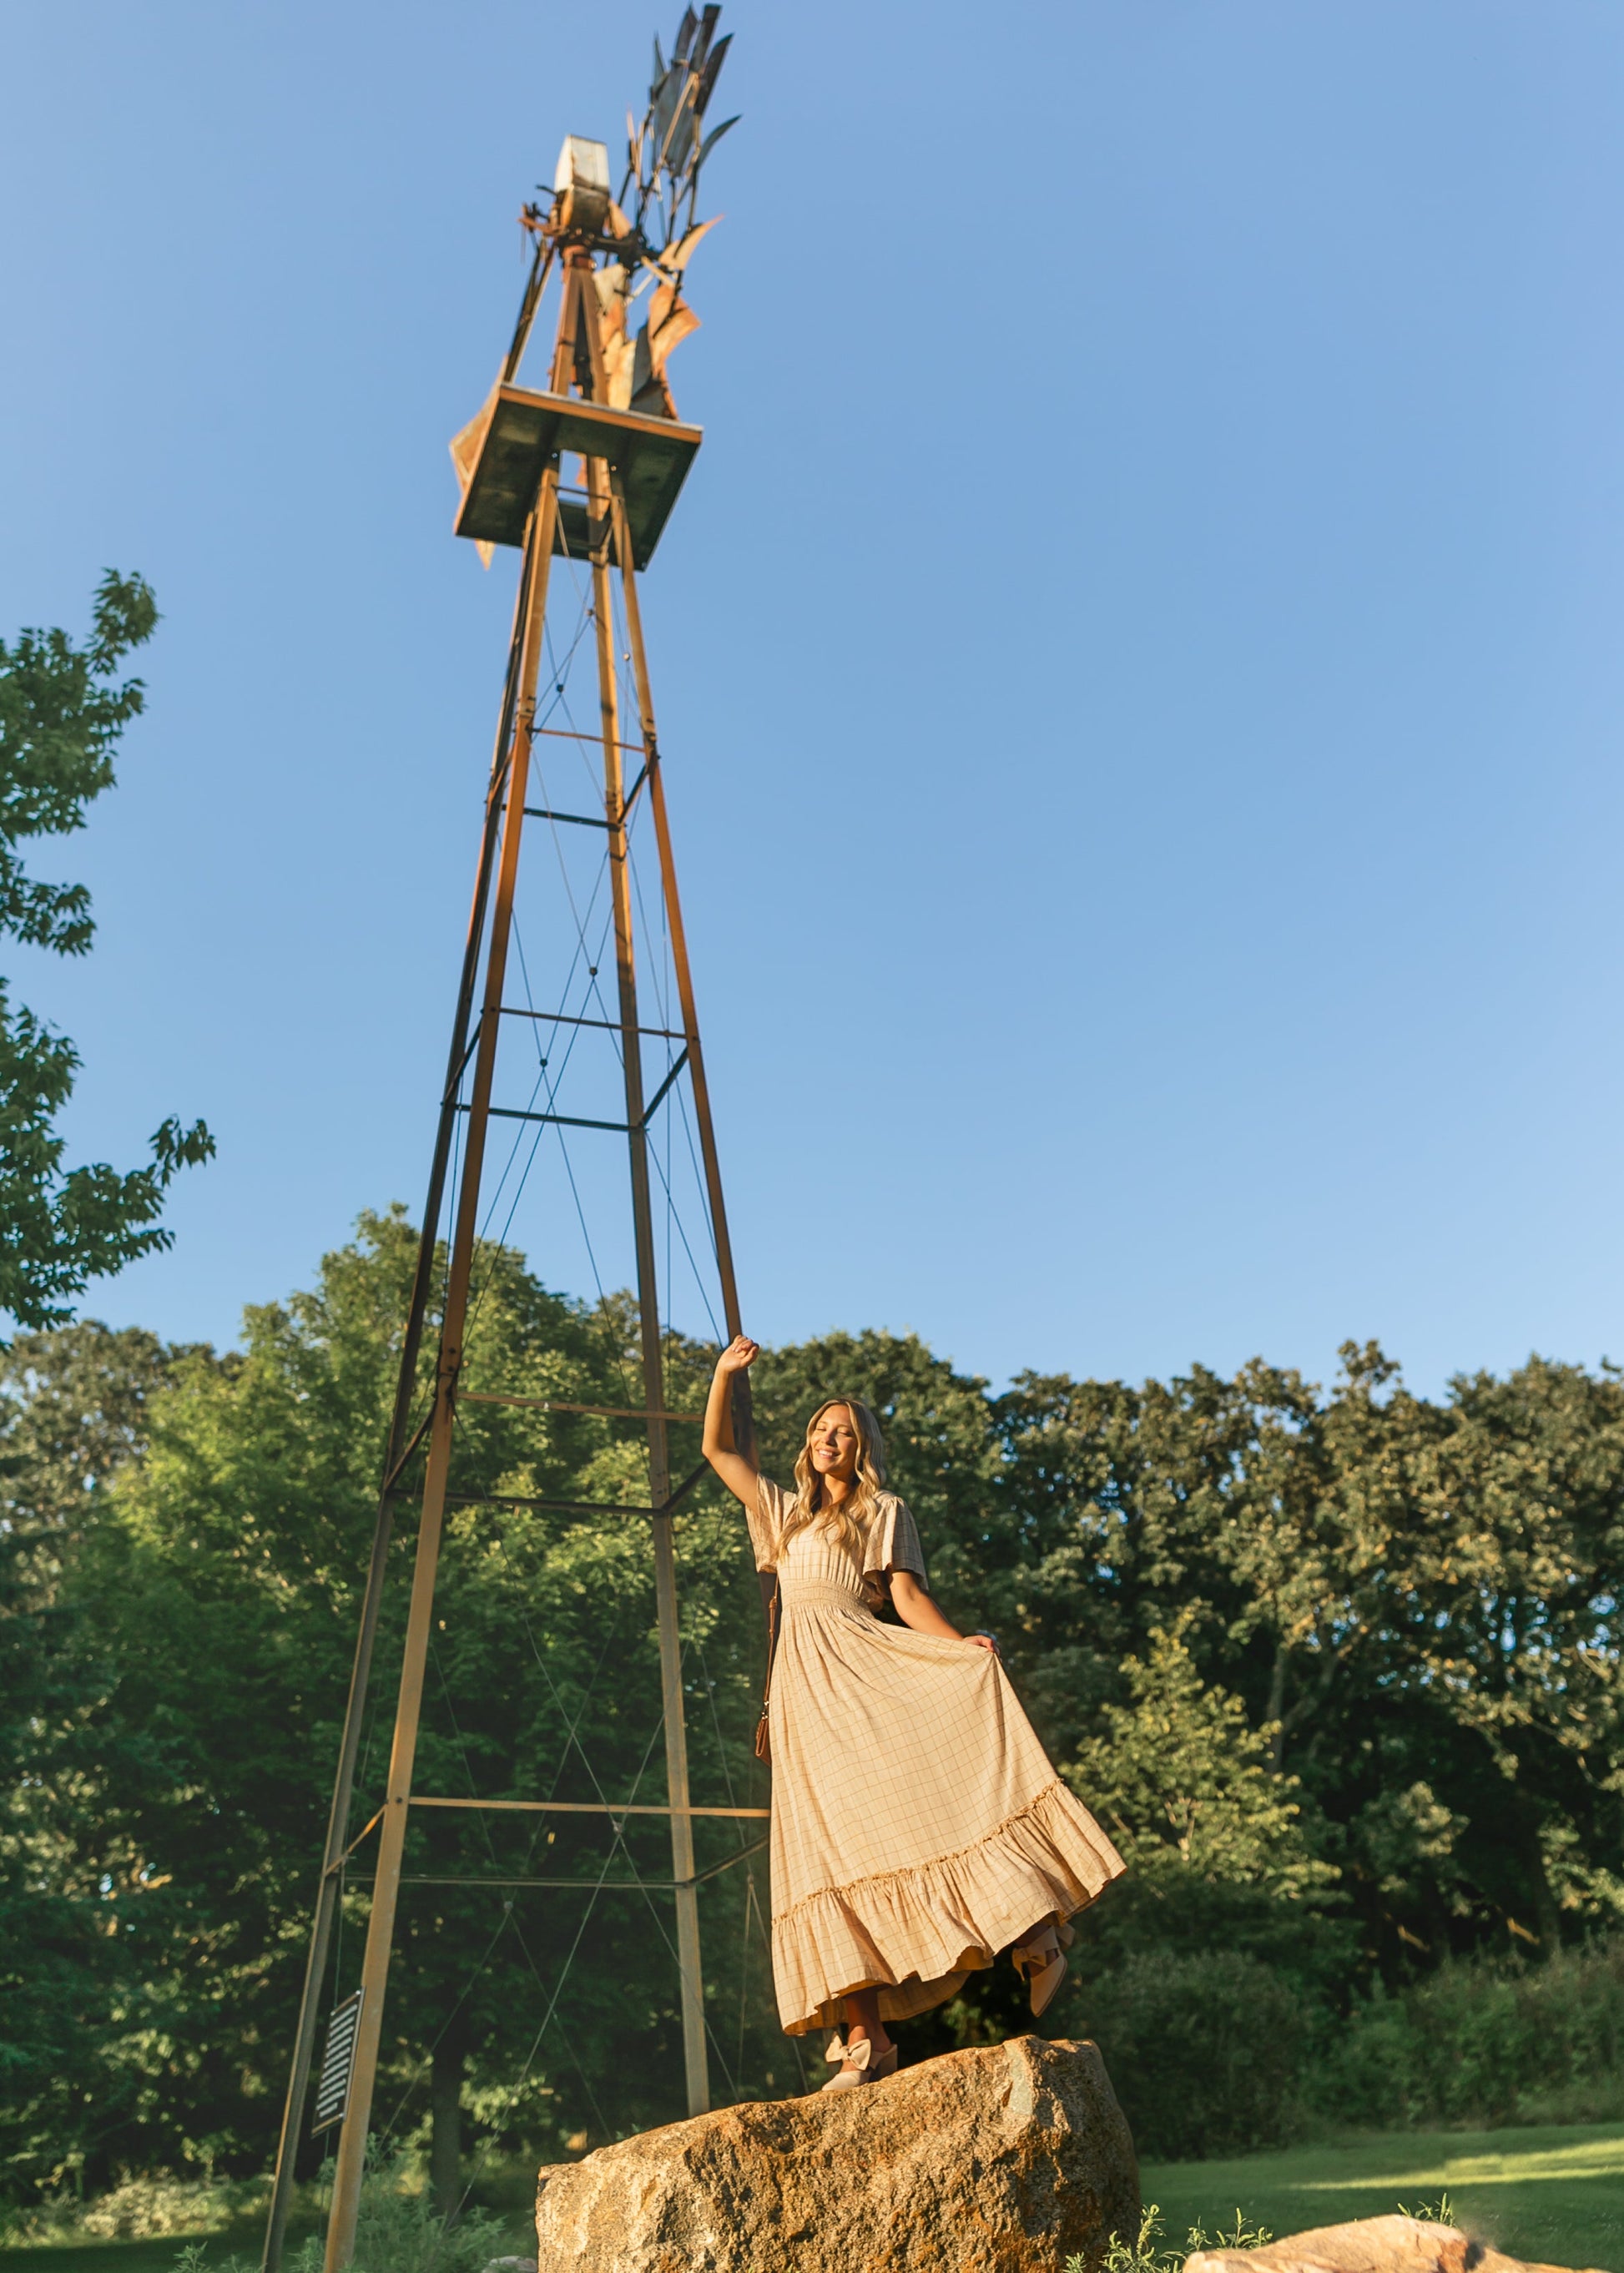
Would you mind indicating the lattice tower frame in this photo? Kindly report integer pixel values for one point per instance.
(578, 369)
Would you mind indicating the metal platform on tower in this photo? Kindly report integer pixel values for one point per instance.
(526, 432)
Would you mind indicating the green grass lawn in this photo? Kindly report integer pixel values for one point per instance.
(156, 2256)
(1554, 2193)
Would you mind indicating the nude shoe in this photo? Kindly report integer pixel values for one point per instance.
(859, 2058)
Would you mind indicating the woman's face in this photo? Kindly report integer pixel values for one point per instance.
(833, 1444)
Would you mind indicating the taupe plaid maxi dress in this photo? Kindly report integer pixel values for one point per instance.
(917, 1825)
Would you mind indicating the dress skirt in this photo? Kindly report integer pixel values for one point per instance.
(918, 1827)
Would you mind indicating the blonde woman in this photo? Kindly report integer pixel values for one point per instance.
(918, 1827)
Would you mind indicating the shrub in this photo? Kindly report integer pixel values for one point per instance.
(1204, 2051)
(137, 2208)
(396, 2232)
(1480, 2043)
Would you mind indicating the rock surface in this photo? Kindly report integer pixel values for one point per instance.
(1370, 2245)
(999, 2161)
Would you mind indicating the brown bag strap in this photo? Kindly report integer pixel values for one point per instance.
(763, 1745)
(773, 1638)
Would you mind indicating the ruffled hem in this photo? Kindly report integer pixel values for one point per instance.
(915, 1934)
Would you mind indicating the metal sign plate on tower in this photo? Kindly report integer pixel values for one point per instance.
(526, 429)
(337, 2063)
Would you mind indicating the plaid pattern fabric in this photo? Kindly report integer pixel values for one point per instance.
(918, 1827)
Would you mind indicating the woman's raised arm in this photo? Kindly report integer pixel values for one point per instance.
(738, 1470)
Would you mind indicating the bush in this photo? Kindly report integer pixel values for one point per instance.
(1481, 2043)
(396, 2232)
(1311, 1945)
(1205, 2051)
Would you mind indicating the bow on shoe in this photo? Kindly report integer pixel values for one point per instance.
(857, 2054)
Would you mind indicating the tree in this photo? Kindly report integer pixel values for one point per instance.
(72, 1414)
(218, 1596)
(1188, 1783)
(1420, 1596)
(62, 712)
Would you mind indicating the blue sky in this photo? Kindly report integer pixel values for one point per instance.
(1139, 656)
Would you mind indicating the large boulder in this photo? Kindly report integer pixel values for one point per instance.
(1368, 2245)
(1005, 2160)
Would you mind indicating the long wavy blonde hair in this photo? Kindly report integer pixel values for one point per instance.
(849, 1522)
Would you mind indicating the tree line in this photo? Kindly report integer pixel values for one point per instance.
(1337, 1667)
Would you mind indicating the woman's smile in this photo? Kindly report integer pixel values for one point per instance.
(834, 1448)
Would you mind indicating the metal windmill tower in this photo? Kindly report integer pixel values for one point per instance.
(583, 468)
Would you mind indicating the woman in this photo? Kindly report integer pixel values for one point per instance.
(917, 1825)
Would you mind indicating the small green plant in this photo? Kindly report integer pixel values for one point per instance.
(1243, 2237)
(1440, 2212)
(1147, 2254)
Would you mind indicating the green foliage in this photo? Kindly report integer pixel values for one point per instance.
(396, 2232)
(1440, 2212)
(60, 721)
(1420, 1597)
(73, 1408)
(1189, 1785)
(61, 715)
(1338, 1669)
(1148, 2253)
(1204, 2052)
(1480, 2041)
(137, 2208)
(214, 1606)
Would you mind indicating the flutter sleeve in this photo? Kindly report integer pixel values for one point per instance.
(893, 1543)
(765, 1518)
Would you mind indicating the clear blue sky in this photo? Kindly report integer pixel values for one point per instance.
(1141, 654)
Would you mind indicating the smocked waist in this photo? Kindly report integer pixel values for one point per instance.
(821, 1594)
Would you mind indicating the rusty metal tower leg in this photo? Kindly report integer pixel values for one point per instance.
(744, 1432)
(392, 1834)
(399, 1452)
(694, 2064)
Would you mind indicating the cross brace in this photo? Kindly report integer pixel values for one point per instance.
(574, 1120)
(578, 1506)
(592, 1886)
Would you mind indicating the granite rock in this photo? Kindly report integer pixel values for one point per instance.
(1369, 2245)
(1003, 2160)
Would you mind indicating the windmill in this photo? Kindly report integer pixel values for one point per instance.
(583, 468)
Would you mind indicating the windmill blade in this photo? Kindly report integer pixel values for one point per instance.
(708, 76)
(707, 32)
(662, 113)
(686, 30)
(675, 150)
(713, 138)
